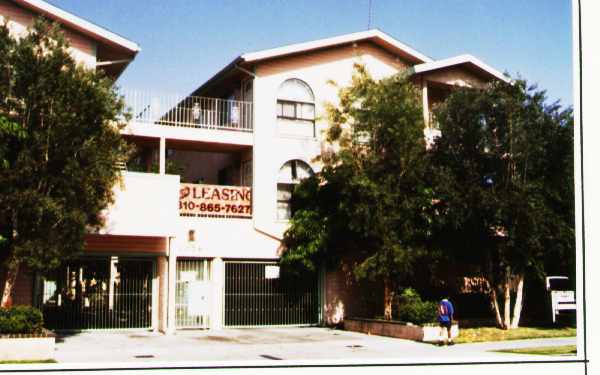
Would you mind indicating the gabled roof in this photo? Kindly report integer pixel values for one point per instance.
(471, 62)
(114, 52)
(72, 21)
(374, 35)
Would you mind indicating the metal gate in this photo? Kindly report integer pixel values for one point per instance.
(256, 296)
(99, 293)
(192, 294)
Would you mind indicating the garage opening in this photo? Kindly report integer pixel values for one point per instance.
(98, 293)
(256, 296)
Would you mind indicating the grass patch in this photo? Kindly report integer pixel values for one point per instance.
(543, 350)
(27, 362)
(483, 334)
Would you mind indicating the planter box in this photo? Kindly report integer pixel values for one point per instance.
(31, 347)
(402, 330)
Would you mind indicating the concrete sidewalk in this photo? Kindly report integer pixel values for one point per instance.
(279, 345)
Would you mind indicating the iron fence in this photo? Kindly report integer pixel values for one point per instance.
(255, 295)
(99, 293)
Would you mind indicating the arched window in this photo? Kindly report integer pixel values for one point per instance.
(290, 174)
(296, 106)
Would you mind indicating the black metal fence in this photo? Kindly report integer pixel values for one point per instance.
(255, 295)
(99, 293)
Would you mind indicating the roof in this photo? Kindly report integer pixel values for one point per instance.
(374, 35)
(85, 27)
(465, 60)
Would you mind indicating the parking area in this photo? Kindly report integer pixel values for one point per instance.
(273, 344)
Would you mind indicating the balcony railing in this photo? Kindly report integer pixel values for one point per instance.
(189, 111)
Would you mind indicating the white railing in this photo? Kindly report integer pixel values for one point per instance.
(189, 111)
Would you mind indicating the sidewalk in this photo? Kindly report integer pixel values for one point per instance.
(277, 344)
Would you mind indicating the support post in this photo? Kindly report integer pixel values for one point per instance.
(172, 273)
(425, 103)
(162, 268)
(218, 282)
(162, 155)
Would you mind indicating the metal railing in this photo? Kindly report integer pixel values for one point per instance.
(189, 111)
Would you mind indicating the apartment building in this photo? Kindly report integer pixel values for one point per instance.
(193, 238)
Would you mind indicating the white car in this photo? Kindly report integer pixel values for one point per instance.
(562, 297)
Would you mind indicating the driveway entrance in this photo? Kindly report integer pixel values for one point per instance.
(274, 345)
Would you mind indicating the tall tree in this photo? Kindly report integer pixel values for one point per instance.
(59, 143)
(368, 199)
(503, 173)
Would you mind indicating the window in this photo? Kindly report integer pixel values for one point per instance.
(296, 108)
(290, 174)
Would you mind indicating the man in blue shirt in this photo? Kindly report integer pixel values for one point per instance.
(445, 316)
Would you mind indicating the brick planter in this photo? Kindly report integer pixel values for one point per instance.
(402, 330)
(30, 347)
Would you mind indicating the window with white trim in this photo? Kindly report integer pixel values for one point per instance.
(290, 174)
(296, 108)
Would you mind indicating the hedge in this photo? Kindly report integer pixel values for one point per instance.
(21, 319)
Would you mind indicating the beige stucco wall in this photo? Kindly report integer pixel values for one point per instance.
(455, 76)
(272, 148)
(82, 49)
(145, 204)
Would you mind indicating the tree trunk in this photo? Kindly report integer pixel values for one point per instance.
(518, 301)
(495, 308)
(506, 287)
(12, 270)
(388, 298)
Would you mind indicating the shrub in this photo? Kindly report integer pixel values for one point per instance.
(21, 319)
(410, 308)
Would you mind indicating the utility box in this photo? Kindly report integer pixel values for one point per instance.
(562, 295)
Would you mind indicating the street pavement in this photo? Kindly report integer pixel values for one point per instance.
(275, 346)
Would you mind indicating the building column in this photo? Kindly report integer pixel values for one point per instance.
(162, 271)
(171, 276)
(218, 289)
(162, 153)
(425, 103)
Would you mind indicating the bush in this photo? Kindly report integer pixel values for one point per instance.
(21, 319)
(410, 308)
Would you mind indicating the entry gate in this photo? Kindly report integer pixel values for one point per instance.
(99, 293)
(192, 293)
(256, 296)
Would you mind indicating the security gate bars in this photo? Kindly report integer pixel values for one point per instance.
(255, 295)
(99, 293)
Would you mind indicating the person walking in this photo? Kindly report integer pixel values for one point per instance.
(445, 317)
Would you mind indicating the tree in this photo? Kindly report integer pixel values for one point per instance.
(503, 174)
(368, 199)
(59, 143)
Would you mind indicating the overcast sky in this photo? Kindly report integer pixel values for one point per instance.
(184, 42)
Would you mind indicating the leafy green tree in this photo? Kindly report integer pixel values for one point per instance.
(59, 143)
(368, 200)
(502, 172)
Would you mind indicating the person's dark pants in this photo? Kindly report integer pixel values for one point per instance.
(447, 326)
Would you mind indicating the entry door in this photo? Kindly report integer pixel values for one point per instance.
(192, 293)
(256, 296)
(99, 293)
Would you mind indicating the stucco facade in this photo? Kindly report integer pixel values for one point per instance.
(200, 259)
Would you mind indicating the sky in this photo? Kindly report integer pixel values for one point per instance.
(185, 42)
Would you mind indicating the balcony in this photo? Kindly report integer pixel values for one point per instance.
(189, 111)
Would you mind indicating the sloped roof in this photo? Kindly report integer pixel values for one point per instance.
(470, 62)
(87, 28)
(373, 35)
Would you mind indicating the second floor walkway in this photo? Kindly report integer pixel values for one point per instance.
(188, 111)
